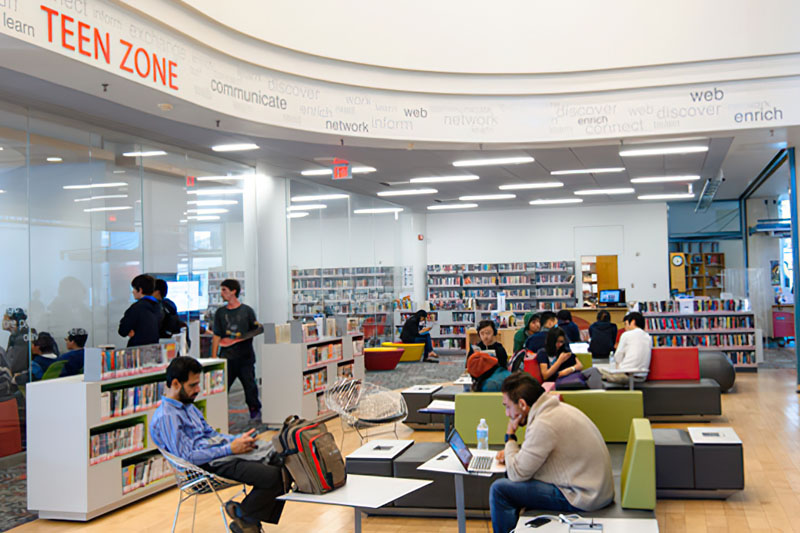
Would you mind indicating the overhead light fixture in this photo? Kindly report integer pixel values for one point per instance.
(665, 179)
(363, 170)
(212, 211)
(539, 185)
(112, 208)
(445, 179)
(151, 153)
(119, 172)
(222, 178)
(555, 201)
(306, 207)
(608, 170)
(236, 147)
(589, 192)
(2, 191)
(315, 197)
(203, 217)
(212, 192)
(297, 215)
(95, 185)
(493, 161)
(328, 171)
(101, 197)
(407, 192)
(54, 160)
(666, 150)
(437, 207)
(212, 203)
(710, 188)
(673, 196)
(478, 197)
(377, 210)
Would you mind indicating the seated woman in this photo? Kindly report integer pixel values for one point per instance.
(487, 331)
(555, 360)
(602, 336)
(412, 334)
(486, 373)
(44, 352)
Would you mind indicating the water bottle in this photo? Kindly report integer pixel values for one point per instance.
(483, 435)
(611, 360)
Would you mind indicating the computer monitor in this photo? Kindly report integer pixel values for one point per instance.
(185, 294)
(612, 297)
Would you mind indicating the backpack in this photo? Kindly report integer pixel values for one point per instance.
(311, 456)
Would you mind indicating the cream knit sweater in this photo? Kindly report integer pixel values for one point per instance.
(563, 447)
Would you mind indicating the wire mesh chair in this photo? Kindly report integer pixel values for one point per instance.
(363, 405)
(194, 481)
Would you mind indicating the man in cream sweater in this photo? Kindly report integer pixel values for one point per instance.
(563, 465)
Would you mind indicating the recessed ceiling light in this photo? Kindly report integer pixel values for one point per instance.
(203, 217)
(493, 161)
(95, 185)
(297, 215)
(377, 210)
(54, 160)
(151, 153)
(211, 203)
(667, 150)
(306, 207)
(119, 172)
(112, 208)
(212, 211)
(554, 201)
(363, 170)
(236, 147)
(478, 197)
(315, 197)
(2, 191)
(407, 192)
(674, 196)
(587, 171)
(539, 185)
(317, 172)
(101, 197)
(622, 190)
(445, 179)
(165, 106)
(222, 178)
(211, 192)
(437, 207)
(665, 179)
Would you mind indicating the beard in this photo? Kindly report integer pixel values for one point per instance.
(185, 398)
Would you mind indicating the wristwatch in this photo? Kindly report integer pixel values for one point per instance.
(510, 436)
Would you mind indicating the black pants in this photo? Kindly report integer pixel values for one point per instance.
(261, 504)
(244, 368)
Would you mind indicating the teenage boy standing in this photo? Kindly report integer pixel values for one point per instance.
(235, 325)
(141, 320)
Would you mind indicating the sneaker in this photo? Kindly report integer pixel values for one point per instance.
(255, 415)
(238, 526)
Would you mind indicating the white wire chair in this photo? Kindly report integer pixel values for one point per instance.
(363, 405)
(194, 481)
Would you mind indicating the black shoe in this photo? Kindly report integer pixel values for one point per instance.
(238, 526)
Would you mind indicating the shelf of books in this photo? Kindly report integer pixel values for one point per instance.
(89, 450)
(704, 267)
(448, 329)
(727, 326)
(295, 374)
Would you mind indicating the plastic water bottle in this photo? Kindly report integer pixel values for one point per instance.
(483, 435)
(611, 360)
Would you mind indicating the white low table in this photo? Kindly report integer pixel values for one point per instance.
(362, 492)
(610, 525)
(630, 373)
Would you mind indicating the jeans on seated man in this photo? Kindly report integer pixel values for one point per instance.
(179, 428)
(563, 464)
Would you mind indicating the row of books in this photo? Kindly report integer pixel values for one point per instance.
(443, 268)
(518, 293)
(323, 352)
(444, 281)
(122, 402)
(504, 267)
(452, 330)
(448, 305)
(556, 291)
(457, 344)
(345, 370)
(480, 280)
(315, 380)
(464, 317)
(715, 339)
(116, 442)
(743, 358)
(144, 472)
(440, 294)
(117, 363)
(480, 293)
(306, 284)
(515, 280)
(554, 278)
(701, 322)
(212, 382)
(674, 306)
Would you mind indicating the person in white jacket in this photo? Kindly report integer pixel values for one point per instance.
(633, 351)
(562, 466)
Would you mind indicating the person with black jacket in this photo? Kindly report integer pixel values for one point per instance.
(141, 321)
(602, 335)
(413, 334)
(170, 321)
(487, 331)
(570, 328)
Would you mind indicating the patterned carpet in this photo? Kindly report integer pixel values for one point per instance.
(13, 497)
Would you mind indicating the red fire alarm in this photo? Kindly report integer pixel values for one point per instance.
(420, 237)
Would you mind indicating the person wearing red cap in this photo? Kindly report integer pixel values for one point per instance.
(486, 372)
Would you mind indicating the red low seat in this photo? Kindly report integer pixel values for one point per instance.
(674, 363)
(10, 435)
(382, 358)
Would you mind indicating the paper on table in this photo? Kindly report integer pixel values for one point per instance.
(441, 405)
(579, 347)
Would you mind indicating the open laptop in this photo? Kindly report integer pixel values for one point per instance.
(479, 463)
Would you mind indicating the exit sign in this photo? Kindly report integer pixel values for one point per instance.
(341, 169)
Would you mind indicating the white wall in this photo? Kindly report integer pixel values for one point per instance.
(637, 233)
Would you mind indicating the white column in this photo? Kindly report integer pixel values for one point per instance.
(415, 253)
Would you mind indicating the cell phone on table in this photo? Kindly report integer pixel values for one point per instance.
(537, 522)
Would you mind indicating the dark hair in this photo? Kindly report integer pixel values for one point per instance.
(487, 324)
(564, 316)
(144, 283)
(46, 342)
(162, 287)
(534, 317)
(550, 340)
(521, 385)
(232, 285)
(181, 367)
(78, 336)
(603, 316)
(636, 317)
(421, 314)
(547, 316)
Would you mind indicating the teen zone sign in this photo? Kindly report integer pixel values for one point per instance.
(84, 39)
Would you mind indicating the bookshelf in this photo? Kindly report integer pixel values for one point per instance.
(728, 326)
(445, 287)
(704, 268)
(71, 474)
(448, 332)
(215, 280)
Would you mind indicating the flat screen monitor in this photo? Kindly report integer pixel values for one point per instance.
(612, 296)
(185, 294)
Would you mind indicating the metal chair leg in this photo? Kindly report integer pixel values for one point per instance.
(221, 506)
(396, 436)
(175, 520)
(194, 513)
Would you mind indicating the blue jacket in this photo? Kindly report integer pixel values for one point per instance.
(536, 341)
(572, 331)
(74, 365)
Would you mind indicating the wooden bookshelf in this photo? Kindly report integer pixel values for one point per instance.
(704, 268)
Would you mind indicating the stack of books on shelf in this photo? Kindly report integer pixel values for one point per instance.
(118, 363)
(344, 370)
(129, 400)
(315, 381)
(729, 340)
(323, 353)
(116, 442)
(700, 323)
(144, 472)
(212, 382)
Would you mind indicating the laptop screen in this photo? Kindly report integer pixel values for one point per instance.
(460, 449)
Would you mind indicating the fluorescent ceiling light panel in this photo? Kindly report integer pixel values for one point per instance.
(608, 170)
(377, 210)
(556, 201)
(493, 161)
(297, 215)
(407, 192)
(315, 197)
(112, 208)
(2, 191)
(236, 147)
(666, 150)
(211, 211)
(306, 207)
(477, 197)
(317, 172)
(203, 217)
(212, 203)
(363, 170)
(665, 179)
(119, 172)
(623, 190)
(95, 185)
(54, 160)
(212, 192)
(445, 179)
(539, 185)
(150, 153)
(101, 197)
(222, 178)
(674, 196)
(438, 207)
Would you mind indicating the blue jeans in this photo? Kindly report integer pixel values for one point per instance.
(426, 338)
(507, 497)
